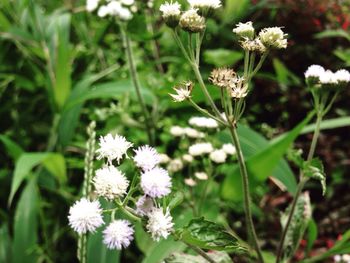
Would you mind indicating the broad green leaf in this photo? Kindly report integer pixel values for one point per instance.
(56, 165)
(13, 149)
(222, 57)
(26, 225)
(209, 235)
(5, 244)
(98, 252)
(334, 33)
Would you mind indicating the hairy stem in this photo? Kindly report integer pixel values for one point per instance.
(200, 252)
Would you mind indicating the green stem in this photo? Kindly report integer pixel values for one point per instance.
(200, 252)
(205, 112)
(258, 66)
(82, 255)
(133, 74)
(246, 192)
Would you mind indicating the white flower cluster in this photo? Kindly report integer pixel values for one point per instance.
(113, 148)
(342, 258)
(214, 4)
(203, 122)
(316, 74)
(122, 9)
(270, 37)
(201, 148)
(178, 131)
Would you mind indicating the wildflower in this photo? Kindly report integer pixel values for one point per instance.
(113, 147)
(110, 183)
(156, 182)
(177, 131)
(163, 158)
(218, 156)
(118, 234)
(203, 122)
(171, 13)
(254, 45)
(201, 175)
(91, 5)
(200, 149)
(146, 157)
(273, 37)
(314, 73)
(144, 205)
(342, 76)
(238, 88)
(128, 2)
(175, 165)
(229, 148)
(85, 216)
(187, 158)
(191, 22)
(328, 78)
(103, 11)
(222, 76)
(337, 258)
(183, 92)
(245, 30)
(159, 224)
(193, 133)
(205, 3)
(190, 182)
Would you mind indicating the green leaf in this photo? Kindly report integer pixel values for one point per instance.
(333, 33)
(312, 233)
(283, 74)
(98, 252)
(13, 149)
(5, 244)
(222, 57)
(314, 169)
(234, 10)
(56, 165)
(219, 256)
(209, 235)
(26, 225)
(328, 124)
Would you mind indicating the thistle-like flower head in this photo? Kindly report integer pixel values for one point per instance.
(273, 37)
(183, 92)
(191, 22)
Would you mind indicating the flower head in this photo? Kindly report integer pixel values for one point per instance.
(245, 30)
(273, 37)
(118, 234)
(159, 224)
(113, 147)
(342, 76)
(183, 92)
(218, 156)
(171, 13)
(314, 73)
(222, 76)
(191, 22)
(85, 216)
(144, 205)
(254, 45)
(175, 165)
(193, 133)
(201, 175)
(190, 182)
(156, 182)
(187, 158)
(229, 148)
(146, 157)
(200, 148)
(177, 131)
(328, 78)
(91, 5)
(205, 3)
(238, 88)
(203, 122)
(110, 183)
(163, 158)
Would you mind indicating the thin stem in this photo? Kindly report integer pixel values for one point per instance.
(246, 192)
(205, 112)
(200, 252)
(258, 66)
(179, 42)
(133, 73)
(315, 137)
(82, 248)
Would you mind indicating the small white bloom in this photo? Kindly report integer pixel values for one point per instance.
(201, 175)
(203, 122)
(114, 8)
(110, 183)
(273, 37)
(103, 11)
(314, 71)
(218, 156)
(118, 234)
(346, 258)
(342, 76)
(200, 149)
(175, 165)
(328, 77)
(205, 3)
(91, 5)
(229, 148)
(85, 216)
(177, 131)
(128, 2)
(124, 14)
(113, 147)
(170, 9)
(191, 22)
(163, 158)
(181, 94)
(146, 157)
(156, 182)
(144, 205)
(159, 225)
(190, 182)
(245, 30)
(337, 258)
(187, 158)
(192, 133)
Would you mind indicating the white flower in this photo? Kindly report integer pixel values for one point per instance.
(328, 77)
(103, 11)
(124, 14)
(175, 165)
(218, 156)
(187, 158)
(192, 133)
(200, 148)
(346, 258)
(159, 225)
(229, 148)
(146, 157)
(163, 158)
(190, 182)
(238, 88)
(205, 3)
(183, 91)
(177, 131)
(91, 5)
(314, 71)
(170, 9)
(118, 234)
(273, 37)
(191, 22)
(144, 205)
(201, 175)
(337, 258)
(203, 122)
(156, 182)
(128, 2)
(110, 183)
(113, 147)
(85, 216)
(245, 30)
(342, 76)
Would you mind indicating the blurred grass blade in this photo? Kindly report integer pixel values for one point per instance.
(334, 33)
(12, 148)
(5, 244)
(328, 124)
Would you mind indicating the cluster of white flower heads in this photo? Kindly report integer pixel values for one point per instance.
(146, 157)
(122, 9)
(110, 183)
(159, 224)
(218, 156)
(214, 4)
(85, 216)
(316, 74)
(200, 148)
(203, 122)
(113, 148)
(118, 234)
(170, 9)
(342, 258)
(178, 131)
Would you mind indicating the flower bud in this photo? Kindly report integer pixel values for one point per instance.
(245, 30)
(273, 37)
(191, 22)
(171, 13)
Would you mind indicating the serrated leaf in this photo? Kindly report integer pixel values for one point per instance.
(209, 235)
(314, 169)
